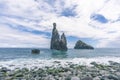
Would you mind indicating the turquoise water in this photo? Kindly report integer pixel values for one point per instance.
(16, 53)
(22, 57)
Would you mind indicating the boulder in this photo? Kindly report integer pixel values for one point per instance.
(81, 45)
(4, 69)
(35, 51)
(75, 78)
(113, 77)
(87, 78)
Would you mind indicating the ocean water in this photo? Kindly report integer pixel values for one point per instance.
(22, 57)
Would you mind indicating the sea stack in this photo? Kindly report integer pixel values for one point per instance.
(63, 42)
(57, 42)
(81, 45)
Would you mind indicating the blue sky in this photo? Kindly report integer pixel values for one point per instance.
(28, 23)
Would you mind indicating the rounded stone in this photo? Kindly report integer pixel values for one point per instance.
(75, 78)
(87, 78)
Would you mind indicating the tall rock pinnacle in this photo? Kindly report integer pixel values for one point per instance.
(55, 38)
(63, 42)
(58, 43)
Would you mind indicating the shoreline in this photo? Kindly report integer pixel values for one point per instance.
(96, 71)
(32, 62)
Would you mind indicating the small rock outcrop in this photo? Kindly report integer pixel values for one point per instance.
(58, 43)
(81, 45)
(35, 51)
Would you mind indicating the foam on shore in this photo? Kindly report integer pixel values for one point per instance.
(31, 63)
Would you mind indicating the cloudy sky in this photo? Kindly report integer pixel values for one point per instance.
(28, 23)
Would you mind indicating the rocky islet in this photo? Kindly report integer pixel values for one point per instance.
(82, 45)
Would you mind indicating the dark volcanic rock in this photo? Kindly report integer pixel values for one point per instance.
(35, 51)
(55, 38)
(58, 43)
(63, 42)
(81, 45)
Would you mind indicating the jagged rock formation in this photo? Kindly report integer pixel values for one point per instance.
(81, 45)
(58, 43)
(63, 42)
(55, 38)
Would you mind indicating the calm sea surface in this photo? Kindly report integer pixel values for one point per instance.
(16, 53)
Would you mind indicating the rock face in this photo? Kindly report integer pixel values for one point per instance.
(55, 38)
(63, 42)
(58, 43)
(81, 45)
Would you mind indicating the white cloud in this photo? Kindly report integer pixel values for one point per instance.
(39, 15)
(111, 10)
(14, 38)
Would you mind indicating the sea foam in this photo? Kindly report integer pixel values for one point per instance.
(31, 63)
